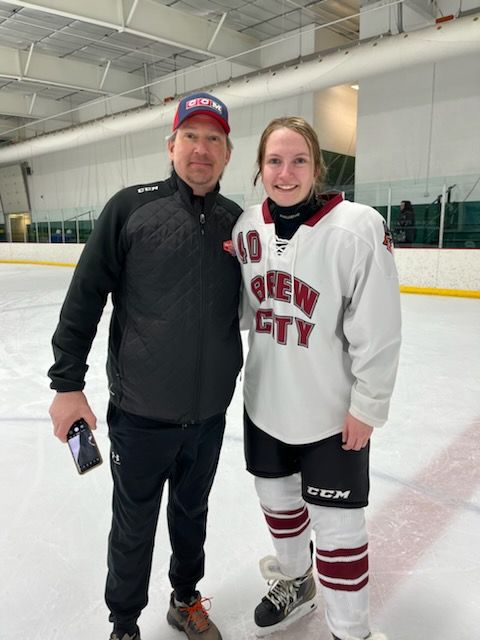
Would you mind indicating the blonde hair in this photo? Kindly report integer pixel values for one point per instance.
(301, 126)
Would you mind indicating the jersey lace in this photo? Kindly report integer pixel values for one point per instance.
(280, 245)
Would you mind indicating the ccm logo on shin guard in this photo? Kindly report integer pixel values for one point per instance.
(333, 494)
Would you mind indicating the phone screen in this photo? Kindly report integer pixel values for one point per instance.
(83, 446)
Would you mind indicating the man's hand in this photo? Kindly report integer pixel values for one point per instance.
(355, 434)
(68, 407)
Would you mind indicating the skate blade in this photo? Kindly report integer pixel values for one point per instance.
(299, 612)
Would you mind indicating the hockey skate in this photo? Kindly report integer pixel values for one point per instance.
(288, 599)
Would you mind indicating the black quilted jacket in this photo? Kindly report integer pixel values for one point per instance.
(174, 345)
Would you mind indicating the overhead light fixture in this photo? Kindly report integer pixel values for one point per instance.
(355, 86)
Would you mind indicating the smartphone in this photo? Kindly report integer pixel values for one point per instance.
(81, 443)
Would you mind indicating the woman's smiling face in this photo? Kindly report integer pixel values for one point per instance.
(288, 173)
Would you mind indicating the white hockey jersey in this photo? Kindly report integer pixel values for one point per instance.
(323, 311)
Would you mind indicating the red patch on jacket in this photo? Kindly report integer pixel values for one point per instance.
(228, 247)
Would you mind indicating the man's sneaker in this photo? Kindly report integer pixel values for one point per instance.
(371, 636)
(118, 634)
(192, 618)
(288, 600)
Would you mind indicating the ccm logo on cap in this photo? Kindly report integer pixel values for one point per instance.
(203, 102)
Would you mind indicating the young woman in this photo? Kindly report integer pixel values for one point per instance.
(323, 294)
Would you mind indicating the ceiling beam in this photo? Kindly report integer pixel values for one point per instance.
(66, 73)
(16, 104)
(425, 8)
(154, 21)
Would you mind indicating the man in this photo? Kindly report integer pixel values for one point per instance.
(406, 231)
(173, 358)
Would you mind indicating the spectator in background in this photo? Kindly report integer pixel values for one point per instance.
(405, 231)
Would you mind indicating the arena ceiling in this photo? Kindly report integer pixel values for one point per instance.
(57, 56)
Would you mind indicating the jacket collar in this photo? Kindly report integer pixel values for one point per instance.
(187, 195)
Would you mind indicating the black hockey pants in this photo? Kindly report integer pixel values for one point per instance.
(144, 454)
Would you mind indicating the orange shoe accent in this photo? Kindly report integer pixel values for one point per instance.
(197, 614)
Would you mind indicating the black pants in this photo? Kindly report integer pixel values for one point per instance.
(144, 454)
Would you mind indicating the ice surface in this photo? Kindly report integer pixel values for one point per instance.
(424, 516)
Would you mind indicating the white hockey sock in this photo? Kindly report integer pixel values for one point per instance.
(342, 566)
(288, 521)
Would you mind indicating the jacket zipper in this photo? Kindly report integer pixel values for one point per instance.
(202, 221)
